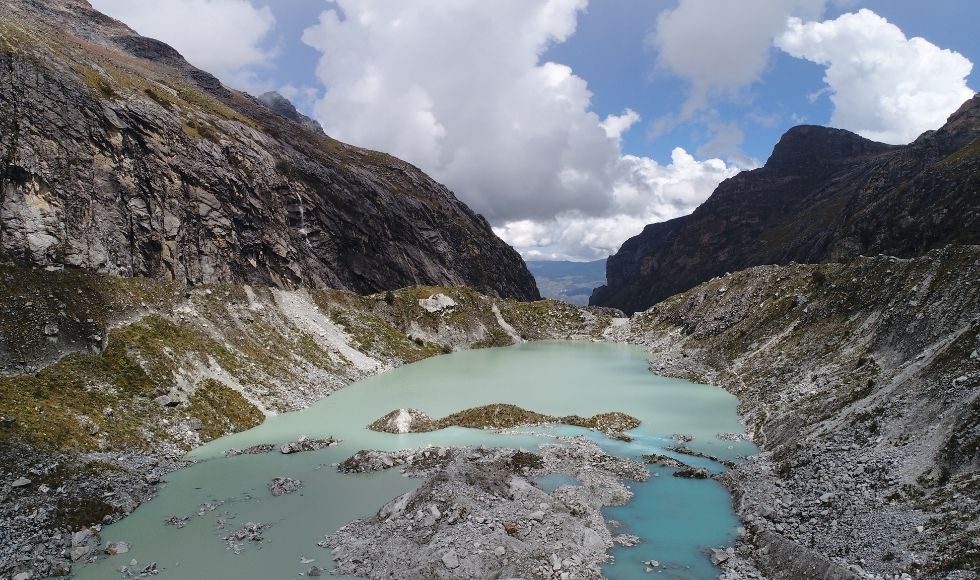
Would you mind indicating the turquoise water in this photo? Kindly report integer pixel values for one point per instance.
(553, 481)
(676, 518)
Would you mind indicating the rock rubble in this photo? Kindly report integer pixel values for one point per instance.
(479, 515)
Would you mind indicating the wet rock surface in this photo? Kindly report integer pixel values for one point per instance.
(663, 460)
(306, 444)
(249, 534)
(479, 515)
(253, 450)
(284, 485)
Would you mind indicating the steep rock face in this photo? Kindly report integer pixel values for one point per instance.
(118, 156)
(824, 194)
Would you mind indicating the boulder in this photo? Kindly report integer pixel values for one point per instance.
(116, 548)
(402, 421)
(692, 473)
(283, 485)
(166, 401)
(437, 303)
(84, 543)
(450, 559)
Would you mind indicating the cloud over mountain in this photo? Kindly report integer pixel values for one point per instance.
(461, 90)
(883, 85)
(224, 37)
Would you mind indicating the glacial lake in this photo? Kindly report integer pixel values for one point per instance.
(677, 519)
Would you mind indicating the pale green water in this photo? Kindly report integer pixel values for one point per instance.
(677, 518)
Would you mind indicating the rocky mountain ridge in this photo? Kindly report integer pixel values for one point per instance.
(824, 195)
(118, 156)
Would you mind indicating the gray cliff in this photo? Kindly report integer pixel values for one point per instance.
(118, 156)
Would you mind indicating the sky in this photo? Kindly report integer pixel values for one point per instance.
(571, 124)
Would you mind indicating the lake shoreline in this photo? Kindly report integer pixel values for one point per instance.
(641, 370)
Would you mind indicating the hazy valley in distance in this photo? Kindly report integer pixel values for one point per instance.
(572, 282)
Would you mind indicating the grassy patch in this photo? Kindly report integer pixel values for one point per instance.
(494, 337)
(222, 410)
(970, 152)
(46, 407)
(163, 346)
(371, 334)
(64, 405)
(79, 302)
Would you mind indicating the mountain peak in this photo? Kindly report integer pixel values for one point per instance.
(285, 108)
(824, 195)
(807, 147)
(963, 126)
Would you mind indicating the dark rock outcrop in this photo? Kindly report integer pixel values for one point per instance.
(824, 195)
(116, 155)
(284, 107)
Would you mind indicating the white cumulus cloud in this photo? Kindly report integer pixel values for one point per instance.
(884, 86)
(616, 125)
(645, 193)
(722, 46)
(223, 37)
(461, 89)
(655, 194)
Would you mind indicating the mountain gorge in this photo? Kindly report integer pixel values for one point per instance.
(824, 195)
(120, 157)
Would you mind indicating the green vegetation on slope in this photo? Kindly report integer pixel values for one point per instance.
(221, 410)
(109, 347)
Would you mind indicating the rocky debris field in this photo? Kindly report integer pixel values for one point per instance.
(478, 514)
(51, 511)
(861, 382)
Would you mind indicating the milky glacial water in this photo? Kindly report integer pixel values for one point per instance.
(677, 519)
